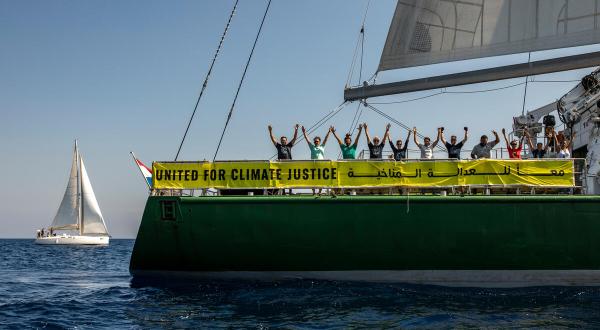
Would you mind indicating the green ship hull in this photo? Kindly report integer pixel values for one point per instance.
(447, 240)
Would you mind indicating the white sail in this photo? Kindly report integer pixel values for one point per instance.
(93, 222)
(435, 31)
(67, 215)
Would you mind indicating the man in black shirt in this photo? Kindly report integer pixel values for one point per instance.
(540, 150)
(284, 148)
(398, 150)
(375, 146)
(454, 148)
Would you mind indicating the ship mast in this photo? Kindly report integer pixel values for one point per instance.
(79, 191)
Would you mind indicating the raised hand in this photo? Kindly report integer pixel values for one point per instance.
(303, 129)
(270, 127)
(503, 131)
(296, 126)
(414, 130)
(364, 125)
(388, 126)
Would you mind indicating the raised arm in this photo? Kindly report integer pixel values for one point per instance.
(571, 140)
(497, 140)
(295, 135)
(437, 139)
(441, 137)
(367, 133)
(271, 135)
(407, 140)
(505, 138)
(387, 133)
(466, 136)
(305, 135)
(332, 130)
(415, 137)
(326, 137)
(360, 128)
(528, 139)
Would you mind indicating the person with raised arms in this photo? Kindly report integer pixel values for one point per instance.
(376, 145)
(484, 148)
(284, 148)
(452, 147)
(348, 148)
(317, 149)
(427, 147)
(540, 150)
(514, 147)
(399, 150)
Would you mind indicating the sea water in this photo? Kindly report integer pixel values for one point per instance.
(90, 287)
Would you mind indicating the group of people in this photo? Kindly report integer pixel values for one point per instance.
(557, 146)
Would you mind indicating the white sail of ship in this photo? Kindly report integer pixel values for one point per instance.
(78, 213)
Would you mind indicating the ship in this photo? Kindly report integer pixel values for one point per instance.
(483, 223)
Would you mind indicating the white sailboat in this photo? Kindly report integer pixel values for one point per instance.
(78, 217)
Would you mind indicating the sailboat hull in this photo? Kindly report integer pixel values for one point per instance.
(503, 241)
(73, 240)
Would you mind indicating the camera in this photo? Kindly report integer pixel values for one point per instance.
(442, 129)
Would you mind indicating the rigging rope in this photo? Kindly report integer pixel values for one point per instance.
(262, 22)
(359, 43)
(525, 91)
(320, 122)
(395, 121)
(473, 92)
(207, 77)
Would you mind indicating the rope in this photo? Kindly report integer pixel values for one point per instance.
(262, 22)
(207, 77)
(360, 42)
(320, 122)
(525, 91)
(397, 122)
(475, 91)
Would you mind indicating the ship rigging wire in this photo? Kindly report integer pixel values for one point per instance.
(214, 59)
(444, 91)
(262, 22)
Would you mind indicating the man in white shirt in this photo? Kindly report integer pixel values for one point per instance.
(484, 148)
(427, 147)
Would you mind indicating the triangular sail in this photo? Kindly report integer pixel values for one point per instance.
(93, 222)
(67, 215)
(435, 31)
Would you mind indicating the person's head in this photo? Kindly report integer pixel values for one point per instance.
(514, 144)
(539, 146)
(426, 141)
(453, 139)
(347, 140)
(317, 141)
(483, 140)
(283, 140)
(376, 140)
(398, 143)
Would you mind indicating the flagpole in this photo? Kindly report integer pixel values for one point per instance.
(138, 167)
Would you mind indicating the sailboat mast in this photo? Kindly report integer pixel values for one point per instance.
(79, 190)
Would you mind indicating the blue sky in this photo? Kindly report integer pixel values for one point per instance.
(123, 76)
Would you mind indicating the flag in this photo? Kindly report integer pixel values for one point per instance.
(146, 172)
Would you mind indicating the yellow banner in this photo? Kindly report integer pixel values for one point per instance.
(361, 173)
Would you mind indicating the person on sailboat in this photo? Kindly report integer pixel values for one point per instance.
(317, 149)
(398, 150)
(347, 147)
(284, 148)
(427, 147)
(484, 148)
(375, 145)
(452, 147)
(514, 147)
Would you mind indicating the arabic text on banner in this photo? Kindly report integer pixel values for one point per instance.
(359, 173)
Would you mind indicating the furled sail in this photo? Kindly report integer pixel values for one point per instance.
(67, 215)
(93, 222)
(435, 31)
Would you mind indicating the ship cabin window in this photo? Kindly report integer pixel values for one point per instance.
(168, 210)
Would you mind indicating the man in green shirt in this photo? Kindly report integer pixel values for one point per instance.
(317, 149)
(348, 149)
